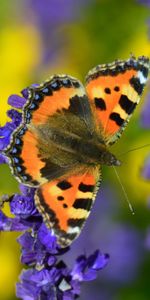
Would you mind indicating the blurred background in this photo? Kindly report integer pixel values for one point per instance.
(39, 38)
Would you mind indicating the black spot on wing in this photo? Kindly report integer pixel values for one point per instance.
(80, 106)
(126, 104)
(116, 89)
(145, 71)
(55, 84)
(60, 198)
(51, 171)
(70, 236)
(107, 91)
(116, 117)
(135, 83)
(83, 203)
(47, 90)
(76, 84)
(86, 187)
(64, 185)
(66, 82)
(76, 222)
(100, 103)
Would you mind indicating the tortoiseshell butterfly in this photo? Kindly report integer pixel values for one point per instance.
(65, 135)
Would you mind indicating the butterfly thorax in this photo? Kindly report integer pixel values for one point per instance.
(71, 143)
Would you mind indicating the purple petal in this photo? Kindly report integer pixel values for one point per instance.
(6, 130)
(4, 142)
(51, 260)
(15, 116)
(11, 224)
(97, 260)
(16, 101)
(27, 191)
(3, 159)
(47, 238)
(89, 275)
(5, 133)
(32, 251)
(27, 290)
(25, 93)
(22, 206)
(26, 240)
(5, 223)
(79, 267)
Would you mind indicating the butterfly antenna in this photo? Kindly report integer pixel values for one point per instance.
(134, 149)
(125, 193)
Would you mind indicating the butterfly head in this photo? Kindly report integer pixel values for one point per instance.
(109, 159)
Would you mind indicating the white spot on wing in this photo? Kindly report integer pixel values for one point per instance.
(75, 229)
(141, 77)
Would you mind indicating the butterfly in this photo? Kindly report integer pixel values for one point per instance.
(65, 135)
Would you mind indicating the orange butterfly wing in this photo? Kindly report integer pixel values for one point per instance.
(114, 90)
(66, 204)
(54, 96)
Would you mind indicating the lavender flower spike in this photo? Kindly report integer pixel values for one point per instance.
(47, 277)
(17, 102)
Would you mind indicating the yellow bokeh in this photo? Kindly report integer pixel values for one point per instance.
(9, 264)
(19, 53)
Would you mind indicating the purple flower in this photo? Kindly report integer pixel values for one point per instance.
(16, 117)
(47, 276)
(58, 282)
(146, 169)
(3, 159)
(22, 206)
(49, 16)
(145, 114)
(145, 121)
(145, 2)
(85, 268)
